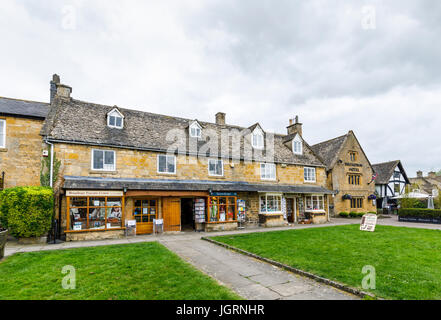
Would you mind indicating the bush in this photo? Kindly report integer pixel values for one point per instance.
(413, 203)
(27, 211)
(361, 214)
(421, 213)
(344, 214)
(373, 212)
(353, 214)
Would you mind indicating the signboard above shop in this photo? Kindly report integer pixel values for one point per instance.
(223, 194)
(90, 193)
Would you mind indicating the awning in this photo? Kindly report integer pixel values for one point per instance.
(90, 183)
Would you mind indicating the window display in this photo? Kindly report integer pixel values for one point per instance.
(315, 203)
(145, 210)
(222, 209)
(270, 204)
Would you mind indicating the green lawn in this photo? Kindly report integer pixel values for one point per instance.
(407, 261)
(146, 271)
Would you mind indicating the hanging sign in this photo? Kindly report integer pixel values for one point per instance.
(368, 222)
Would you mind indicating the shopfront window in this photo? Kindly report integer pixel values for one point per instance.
(95, 213)
(146, 210)
(315, 203)
(270, 204)
(222, 209)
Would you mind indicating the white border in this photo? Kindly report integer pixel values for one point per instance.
(114, 160)
(157, 163)
(208, 167)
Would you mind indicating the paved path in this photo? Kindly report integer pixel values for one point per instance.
(250, 278)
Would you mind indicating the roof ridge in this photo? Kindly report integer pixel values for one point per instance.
(387, 162)
(24, 100)
(327, 141)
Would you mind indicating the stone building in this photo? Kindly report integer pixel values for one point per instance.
(20, 142)
(120, 166)
(430, 184)
(349, 174)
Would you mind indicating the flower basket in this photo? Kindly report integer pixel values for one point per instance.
(372, 197)
(347, 197)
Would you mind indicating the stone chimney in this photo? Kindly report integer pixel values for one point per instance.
(220, 118)
(419, 174)
(58, 89)
(295, 126)
(432, 175)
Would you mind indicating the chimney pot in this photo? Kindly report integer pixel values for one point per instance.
(432, 174)
(220, 118)
(295, 126)
(419, 174)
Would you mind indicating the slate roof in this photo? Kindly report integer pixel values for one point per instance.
(90, 183)
(16, 107)
(385, 171)
(74, 121)
(329, 150)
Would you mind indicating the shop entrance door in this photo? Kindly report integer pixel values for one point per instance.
(290, 210)
(171, 209)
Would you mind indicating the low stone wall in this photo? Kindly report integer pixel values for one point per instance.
(319, 219)
(227, 226)
(87, 236)
(38, 240)
(271, 220)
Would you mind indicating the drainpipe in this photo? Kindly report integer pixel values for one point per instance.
(51, 170)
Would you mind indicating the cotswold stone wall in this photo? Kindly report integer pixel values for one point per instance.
(76, 161)
(21, 159)
(340, 181)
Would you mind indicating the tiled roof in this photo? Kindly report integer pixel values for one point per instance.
(184, 185)
(23, 108)
(385, 171)
(329, 150)
(85, 123)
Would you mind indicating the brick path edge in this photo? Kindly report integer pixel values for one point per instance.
(329, 282)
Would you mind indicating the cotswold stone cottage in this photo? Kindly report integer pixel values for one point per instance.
(120, 165)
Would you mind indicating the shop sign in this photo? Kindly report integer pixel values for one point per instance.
(223, 194)
(79, 193)
(369, 222)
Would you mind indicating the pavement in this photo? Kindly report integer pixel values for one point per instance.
(250, 278)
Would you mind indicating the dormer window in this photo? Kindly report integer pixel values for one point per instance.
(297, 145)
(195, 130)
(257, 139)
(115, 119)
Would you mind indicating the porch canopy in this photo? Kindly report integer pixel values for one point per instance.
(96, 183)
(413, 195)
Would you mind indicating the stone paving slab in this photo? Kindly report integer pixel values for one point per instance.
(250, 278)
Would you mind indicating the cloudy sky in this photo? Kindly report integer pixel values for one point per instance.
(369, 66)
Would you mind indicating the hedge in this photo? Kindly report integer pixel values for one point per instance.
(421, 213)
(27, 211)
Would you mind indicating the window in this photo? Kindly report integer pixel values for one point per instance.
(222, 209)
(195, 131)
(397, 175)
(115, 119)
(315, 203)
(166, 164)
(145, 210)
(2, 133)
(297, 145)
(95, 213)
(397, 188)
(257, 139)
(215, 167)
(353, 156)
(309, 174)
(268, 171)
(356, 203)
(103, 160)
(354, 179)
(270, 203)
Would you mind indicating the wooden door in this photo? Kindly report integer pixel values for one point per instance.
(171, 211)
(290, 210)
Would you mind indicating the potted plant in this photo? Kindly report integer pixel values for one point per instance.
(347, 197)
(3, 237)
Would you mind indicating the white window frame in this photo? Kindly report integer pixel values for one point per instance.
(166, 161)
(315, 197)
(266, 195)
(195, 126)
(264, 171)
(258, 132)
(297, 141)
(116, 114)
(106, 169)
(307, 175)
(222, 164)
(3, 141)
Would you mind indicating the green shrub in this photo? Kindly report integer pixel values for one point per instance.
(422, 213)
(412, 203)
(344, 214)
(373, 212)
(353, 214)
(361, 214)
(27, 211)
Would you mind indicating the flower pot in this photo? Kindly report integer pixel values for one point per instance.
(3, 238)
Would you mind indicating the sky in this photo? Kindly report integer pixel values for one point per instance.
(368, 66)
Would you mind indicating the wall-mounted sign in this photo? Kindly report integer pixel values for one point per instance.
(369, 222)
(354, 169)
(223, 194)
(81, 193)
(353, 164)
